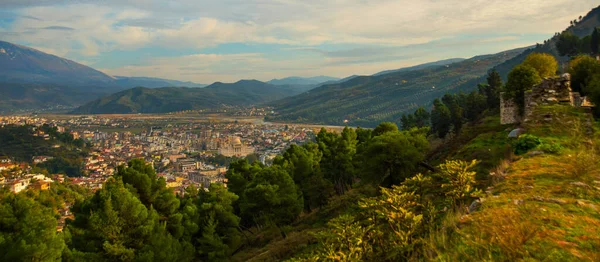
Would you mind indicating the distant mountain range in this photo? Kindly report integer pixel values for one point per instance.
(31, 79)
(152, 82)
(172, 99)
(295, 80)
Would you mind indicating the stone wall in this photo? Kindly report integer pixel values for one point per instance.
(509, 111)
(549, 91)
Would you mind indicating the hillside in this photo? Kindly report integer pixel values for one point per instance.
(171, 99)
(538, 206)
(368, 100)
(422, 66)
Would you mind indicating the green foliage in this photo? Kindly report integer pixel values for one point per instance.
(27, 230)
(492, 90)
(220, 233)
(568, 44)
(582, 70)
(385, 127)
(459, 182)
(595, 41)
(522, 78)
(545, 64)
(271, 198)
(525, 143)
(338, 153)
(390, 158)
(386, 228)
(551, 148)
(441, 119)
(344, 240)
(303, 164)
(19, 143)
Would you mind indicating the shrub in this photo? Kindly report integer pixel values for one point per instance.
(525, 143)
(550, 148)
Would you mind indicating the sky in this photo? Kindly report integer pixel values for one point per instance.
(228, 40)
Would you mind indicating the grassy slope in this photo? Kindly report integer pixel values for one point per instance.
(547, 206)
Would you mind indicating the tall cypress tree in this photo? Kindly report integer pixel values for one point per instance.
(441, 119)
(595, 41)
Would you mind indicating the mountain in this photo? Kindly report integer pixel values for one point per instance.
(368, 100)
(172, 99)
(422, 66)
(295, 80)
(152, 82)
(20, 64)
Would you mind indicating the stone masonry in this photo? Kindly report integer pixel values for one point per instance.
(550, 91)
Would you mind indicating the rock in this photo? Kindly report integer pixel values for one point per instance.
(556, 201)
(549, 200)
(535, 153)
(582, 203)
(579, 184)
(518, 202)
(475, 205)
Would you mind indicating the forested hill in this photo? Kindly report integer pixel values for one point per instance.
(171, 99)
(368, 100)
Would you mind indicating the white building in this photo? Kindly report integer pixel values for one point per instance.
(235, 148)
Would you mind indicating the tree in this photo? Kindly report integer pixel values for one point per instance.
(27, 230)
(272, 198)
(407, 121)
(421, 117)
(303, 164)
(582, 69)
(492, 91)
(441, 120)
(459, 180)
(385, 127)
(595, 41)
(520, 79)
(219, 225)
(567, 44)
(338, 152)
(593, 91)
(113, 225)
(475, 104)
(392, 157)
(544, 64)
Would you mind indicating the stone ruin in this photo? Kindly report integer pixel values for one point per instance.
(555, 90)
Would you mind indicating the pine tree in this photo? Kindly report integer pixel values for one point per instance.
(441, 120)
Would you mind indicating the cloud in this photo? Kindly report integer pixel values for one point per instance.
(61, 28)
(340, 37)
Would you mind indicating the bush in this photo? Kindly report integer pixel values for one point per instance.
(550, 148)
(525, 143)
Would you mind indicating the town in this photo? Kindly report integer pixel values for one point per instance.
(184, 152)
